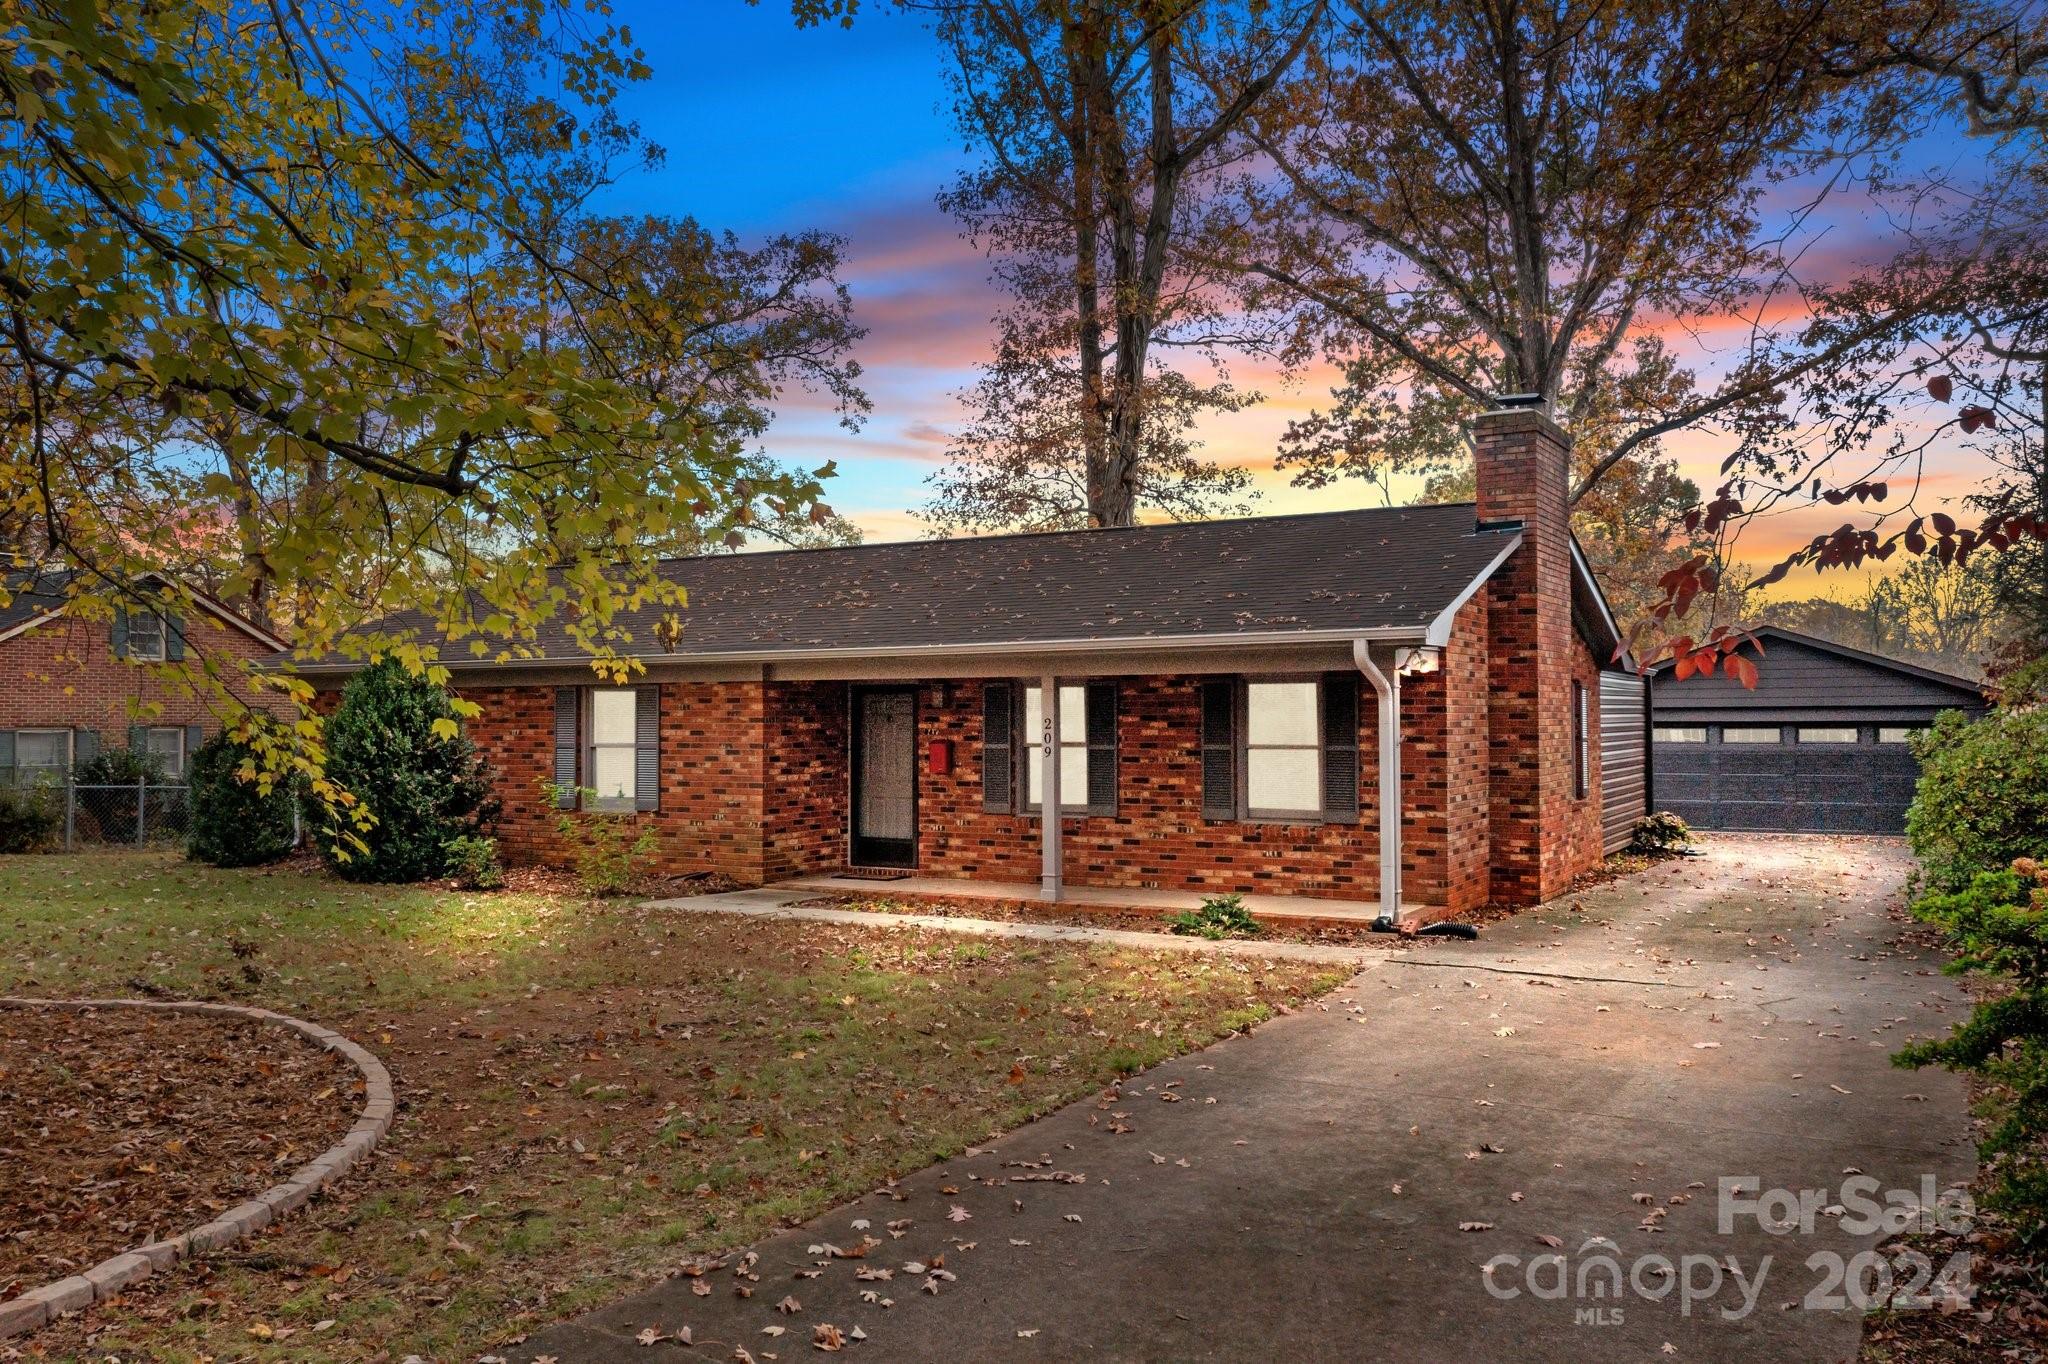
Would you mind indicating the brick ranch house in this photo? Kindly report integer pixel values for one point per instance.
(76, 685)
(1221, 697)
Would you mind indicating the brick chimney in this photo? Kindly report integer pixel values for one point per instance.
(1522, 464)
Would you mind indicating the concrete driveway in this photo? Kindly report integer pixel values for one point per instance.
(1333, 1185)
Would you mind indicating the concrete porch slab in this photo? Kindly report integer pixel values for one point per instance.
(1291, 907)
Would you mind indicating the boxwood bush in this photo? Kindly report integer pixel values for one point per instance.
(1982, 800)
(234, 823)
(423, 788)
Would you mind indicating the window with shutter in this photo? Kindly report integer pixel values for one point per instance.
(568, 770)
(1087, 748)
(1219, 750)
(1282, 749)
(647, 748)
(998, 755)
(613, 750)
(1340, 748)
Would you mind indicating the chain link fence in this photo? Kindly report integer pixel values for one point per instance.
(56, 812)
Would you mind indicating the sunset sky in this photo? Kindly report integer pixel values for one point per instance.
(770, 128)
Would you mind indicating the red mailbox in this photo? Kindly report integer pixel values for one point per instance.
(939, 757)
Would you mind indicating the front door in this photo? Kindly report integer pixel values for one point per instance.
(885, 778)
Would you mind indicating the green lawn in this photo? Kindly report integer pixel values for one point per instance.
(589, 1093)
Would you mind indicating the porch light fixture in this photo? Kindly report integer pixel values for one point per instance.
(1418, 660)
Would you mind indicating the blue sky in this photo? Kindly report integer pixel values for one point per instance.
(769, 127)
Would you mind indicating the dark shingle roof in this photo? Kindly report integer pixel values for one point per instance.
(1350, 570)
(35, 592)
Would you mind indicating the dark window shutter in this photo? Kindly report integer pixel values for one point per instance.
(174, 638)
(120, 635)
(7, 754)
(195, 735)
(138, 740)
(567, 701)
(1219, 750)
(998, 748)
(647, 748)
(1340, 747)
(85, 746)
(1101, 748)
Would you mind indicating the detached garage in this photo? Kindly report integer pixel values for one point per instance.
(1821, 745)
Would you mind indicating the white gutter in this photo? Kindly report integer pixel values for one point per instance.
(1391, 634)
(1386, 683)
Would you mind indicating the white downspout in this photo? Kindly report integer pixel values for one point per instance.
(1386, 684)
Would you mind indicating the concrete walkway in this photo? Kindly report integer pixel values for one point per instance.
(1333, 1185)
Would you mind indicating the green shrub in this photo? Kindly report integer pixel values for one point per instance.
(1221, 916)
(1998, 926)
(610, 848)
(473, 862)
(1982, 800)
(1660, 832)
(111, 810)
(29, 818)
(420, 786)
(234, 823)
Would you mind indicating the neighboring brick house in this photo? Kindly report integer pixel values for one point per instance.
(74, 686)
(1218, 694)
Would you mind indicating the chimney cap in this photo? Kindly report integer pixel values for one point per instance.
(1515, 402)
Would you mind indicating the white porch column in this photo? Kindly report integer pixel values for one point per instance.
(1049, 790)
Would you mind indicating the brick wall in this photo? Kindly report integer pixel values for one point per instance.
(804, 826)
(62, 674)
(1535, 821)
(712, 779)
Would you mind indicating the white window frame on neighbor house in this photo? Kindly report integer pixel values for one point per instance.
(1251, 750)
(1762, 735)
(1679, 734)
(1073, 747)
(174, 759)
(605, 705)
(148, 637)
(67, 751)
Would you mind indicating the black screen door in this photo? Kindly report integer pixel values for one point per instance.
(885, 779)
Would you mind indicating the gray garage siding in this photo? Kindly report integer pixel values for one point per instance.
(1790, 786)
(1624, 757)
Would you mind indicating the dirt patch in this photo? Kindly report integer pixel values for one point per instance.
(122, 1125)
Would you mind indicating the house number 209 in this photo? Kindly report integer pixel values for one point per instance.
(1047, 727)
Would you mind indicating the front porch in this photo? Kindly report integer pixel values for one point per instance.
(1280, 908)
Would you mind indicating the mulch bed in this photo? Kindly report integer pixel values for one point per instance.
(123, 1125)
(1092, 916)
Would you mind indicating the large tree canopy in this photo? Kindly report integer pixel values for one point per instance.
(320, 276)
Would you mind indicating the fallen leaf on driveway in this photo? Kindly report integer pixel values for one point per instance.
(959, 1214)
(789, 1306)
(1549, 1240)
(1475, 1226)
(1026, 1335)
(649, 1336)
(827, 1337)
